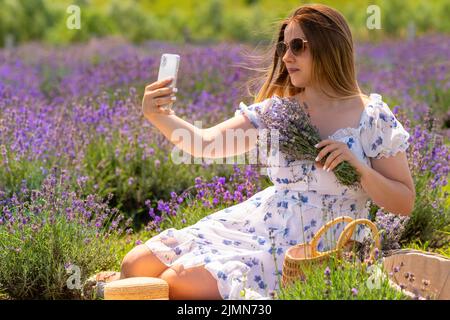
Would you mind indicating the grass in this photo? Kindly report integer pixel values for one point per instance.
(425, 246)
(347, 280)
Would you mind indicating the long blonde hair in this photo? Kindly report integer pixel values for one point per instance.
(331, 44)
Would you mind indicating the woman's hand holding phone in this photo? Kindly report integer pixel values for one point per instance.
(156, 96)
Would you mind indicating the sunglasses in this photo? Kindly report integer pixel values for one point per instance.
(297, 46)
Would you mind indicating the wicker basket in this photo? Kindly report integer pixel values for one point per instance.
(304, 256)
(137, 288)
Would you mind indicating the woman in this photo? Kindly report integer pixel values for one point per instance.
(243, 246)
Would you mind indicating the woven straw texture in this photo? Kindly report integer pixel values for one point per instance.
(303, 256)
(137, 288)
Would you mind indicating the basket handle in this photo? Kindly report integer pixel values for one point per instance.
(348, 232)
(322, 230)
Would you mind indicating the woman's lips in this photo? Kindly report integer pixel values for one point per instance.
(293, 70)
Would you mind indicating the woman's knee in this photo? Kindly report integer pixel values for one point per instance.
(140, 261)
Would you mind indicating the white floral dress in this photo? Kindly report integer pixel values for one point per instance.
(243, 246)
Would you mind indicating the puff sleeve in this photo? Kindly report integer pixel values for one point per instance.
(382, 135)
(251, 111)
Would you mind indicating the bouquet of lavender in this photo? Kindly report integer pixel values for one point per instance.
(298, 136)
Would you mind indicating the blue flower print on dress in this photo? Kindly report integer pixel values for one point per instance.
(282, 180)
(262, 285)
(383, 117)
(359, 228)
(252, 262)
(320, 245)
(222, 275)
(378, 142)
(350, 142)
(283, 204)
(273, 250)
(227, 242)
(207, 259)
(381, 134)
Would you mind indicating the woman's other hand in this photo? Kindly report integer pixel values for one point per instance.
(336, 152)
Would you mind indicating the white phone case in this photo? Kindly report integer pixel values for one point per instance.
(169, 68)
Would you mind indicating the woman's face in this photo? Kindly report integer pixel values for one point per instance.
(303, 61)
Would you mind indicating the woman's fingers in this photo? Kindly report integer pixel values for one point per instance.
(166, 111)
(165, 100)
(158, 84)
(158, 95)
(159, 92)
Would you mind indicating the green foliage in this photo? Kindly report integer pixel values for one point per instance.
(118, 167)
(425, 246)
(25, 20)
(202, 21)
(33, 264)
(430, 219)
(15, 171)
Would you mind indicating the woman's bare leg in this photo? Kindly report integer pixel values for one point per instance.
(194, 283)
(141, 262)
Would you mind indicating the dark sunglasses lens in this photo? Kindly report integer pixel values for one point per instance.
(297, 46)
(281, 49)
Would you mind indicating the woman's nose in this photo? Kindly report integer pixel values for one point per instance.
(288, 56)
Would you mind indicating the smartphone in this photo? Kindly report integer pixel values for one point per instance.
(169, 68)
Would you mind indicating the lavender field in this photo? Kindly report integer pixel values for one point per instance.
(84, 176)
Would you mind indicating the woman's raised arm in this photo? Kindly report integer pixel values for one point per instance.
(231, 137)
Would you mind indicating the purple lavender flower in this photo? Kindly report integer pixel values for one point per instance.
(327, 272)
(376, 253)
